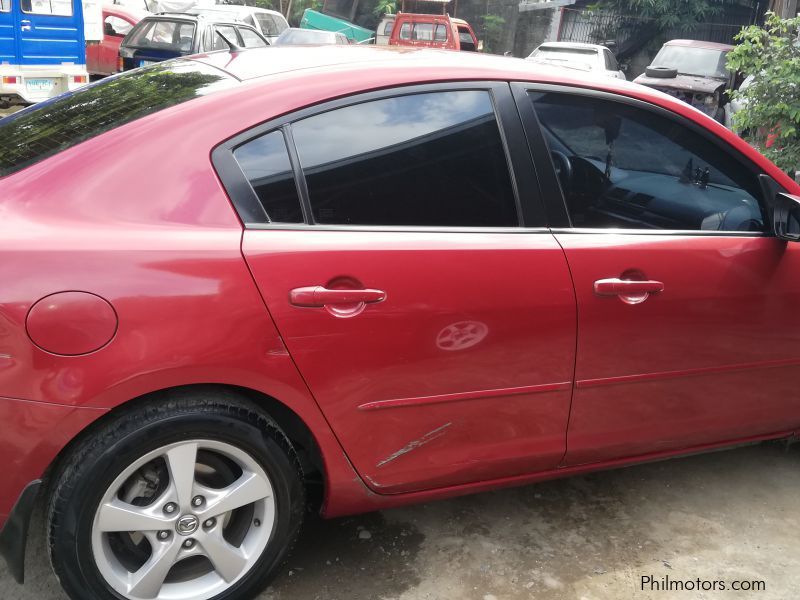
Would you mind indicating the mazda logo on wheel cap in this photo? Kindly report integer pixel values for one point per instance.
(187, 524)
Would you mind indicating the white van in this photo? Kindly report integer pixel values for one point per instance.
(269, 22)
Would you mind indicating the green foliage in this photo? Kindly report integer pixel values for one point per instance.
(666, 14)
(298, 8)
(384, 7)
(770, 117)
(492, 32)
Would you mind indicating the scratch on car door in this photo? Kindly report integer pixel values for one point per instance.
(419, 442)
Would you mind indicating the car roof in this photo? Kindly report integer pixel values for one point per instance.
(574, 45)
(699, 44)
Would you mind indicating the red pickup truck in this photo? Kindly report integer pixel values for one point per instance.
(433, 31)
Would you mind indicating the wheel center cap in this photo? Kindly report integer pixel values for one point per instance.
(187, 525)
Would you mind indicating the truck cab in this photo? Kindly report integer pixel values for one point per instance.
(433, 31)
(42, 49)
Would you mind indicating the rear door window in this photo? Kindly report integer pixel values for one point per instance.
(428, 159)
(5, 5)
(441, 33)
(160, 34)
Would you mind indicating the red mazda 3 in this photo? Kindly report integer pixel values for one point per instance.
(244, 284)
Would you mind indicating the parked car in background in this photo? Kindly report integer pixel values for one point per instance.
(270, 23)
(384, 30)
(433, 31)
(232, 295)
(309, 37)
(42, 49)
(103, 59)
(164, 36)
(696, 73)
(589, 57)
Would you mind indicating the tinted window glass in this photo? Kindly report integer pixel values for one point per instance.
(47, 7)
(441, 33)
(387, 29)
(175, 36)
(621, 166)
(405, 31)
(426, 159)
(265, 162)
(55, 125)
(251, 39)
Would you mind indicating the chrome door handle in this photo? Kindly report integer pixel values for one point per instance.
(25, 25)
(318, 296)
(624, 287)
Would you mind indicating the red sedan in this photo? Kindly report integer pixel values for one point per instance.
(240, 285)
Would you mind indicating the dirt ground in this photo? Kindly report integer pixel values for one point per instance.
(725, 517)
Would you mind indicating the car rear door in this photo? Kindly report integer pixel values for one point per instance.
(686, 305)
(431, 315)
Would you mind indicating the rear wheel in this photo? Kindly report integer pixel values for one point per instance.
(196, 497)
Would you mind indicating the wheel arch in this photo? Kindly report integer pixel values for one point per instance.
(296, 429)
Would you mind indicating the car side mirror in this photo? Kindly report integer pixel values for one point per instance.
(786, 217)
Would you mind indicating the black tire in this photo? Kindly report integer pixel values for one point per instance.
(92, 466)
(661, 72)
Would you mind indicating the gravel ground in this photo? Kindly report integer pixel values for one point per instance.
(727, 516)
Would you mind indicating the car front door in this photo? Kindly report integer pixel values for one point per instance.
(431, 315)
(687, 306)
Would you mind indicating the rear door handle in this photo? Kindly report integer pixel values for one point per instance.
(25, 25)
(626, 287)
(318, 296)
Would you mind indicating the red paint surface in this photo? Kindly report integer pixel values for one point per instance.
(160, 241)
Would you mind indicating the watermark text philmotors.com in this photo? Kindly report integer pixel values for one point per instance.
(651, 583)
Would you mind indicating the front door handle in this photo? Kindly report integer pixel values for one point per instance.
(626, 287)
(318, 296)
(25, 25)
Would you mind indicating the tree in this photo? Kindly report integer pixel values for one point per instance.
(667, 14)
(770, 117)
(492, 32)
(384, 7)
